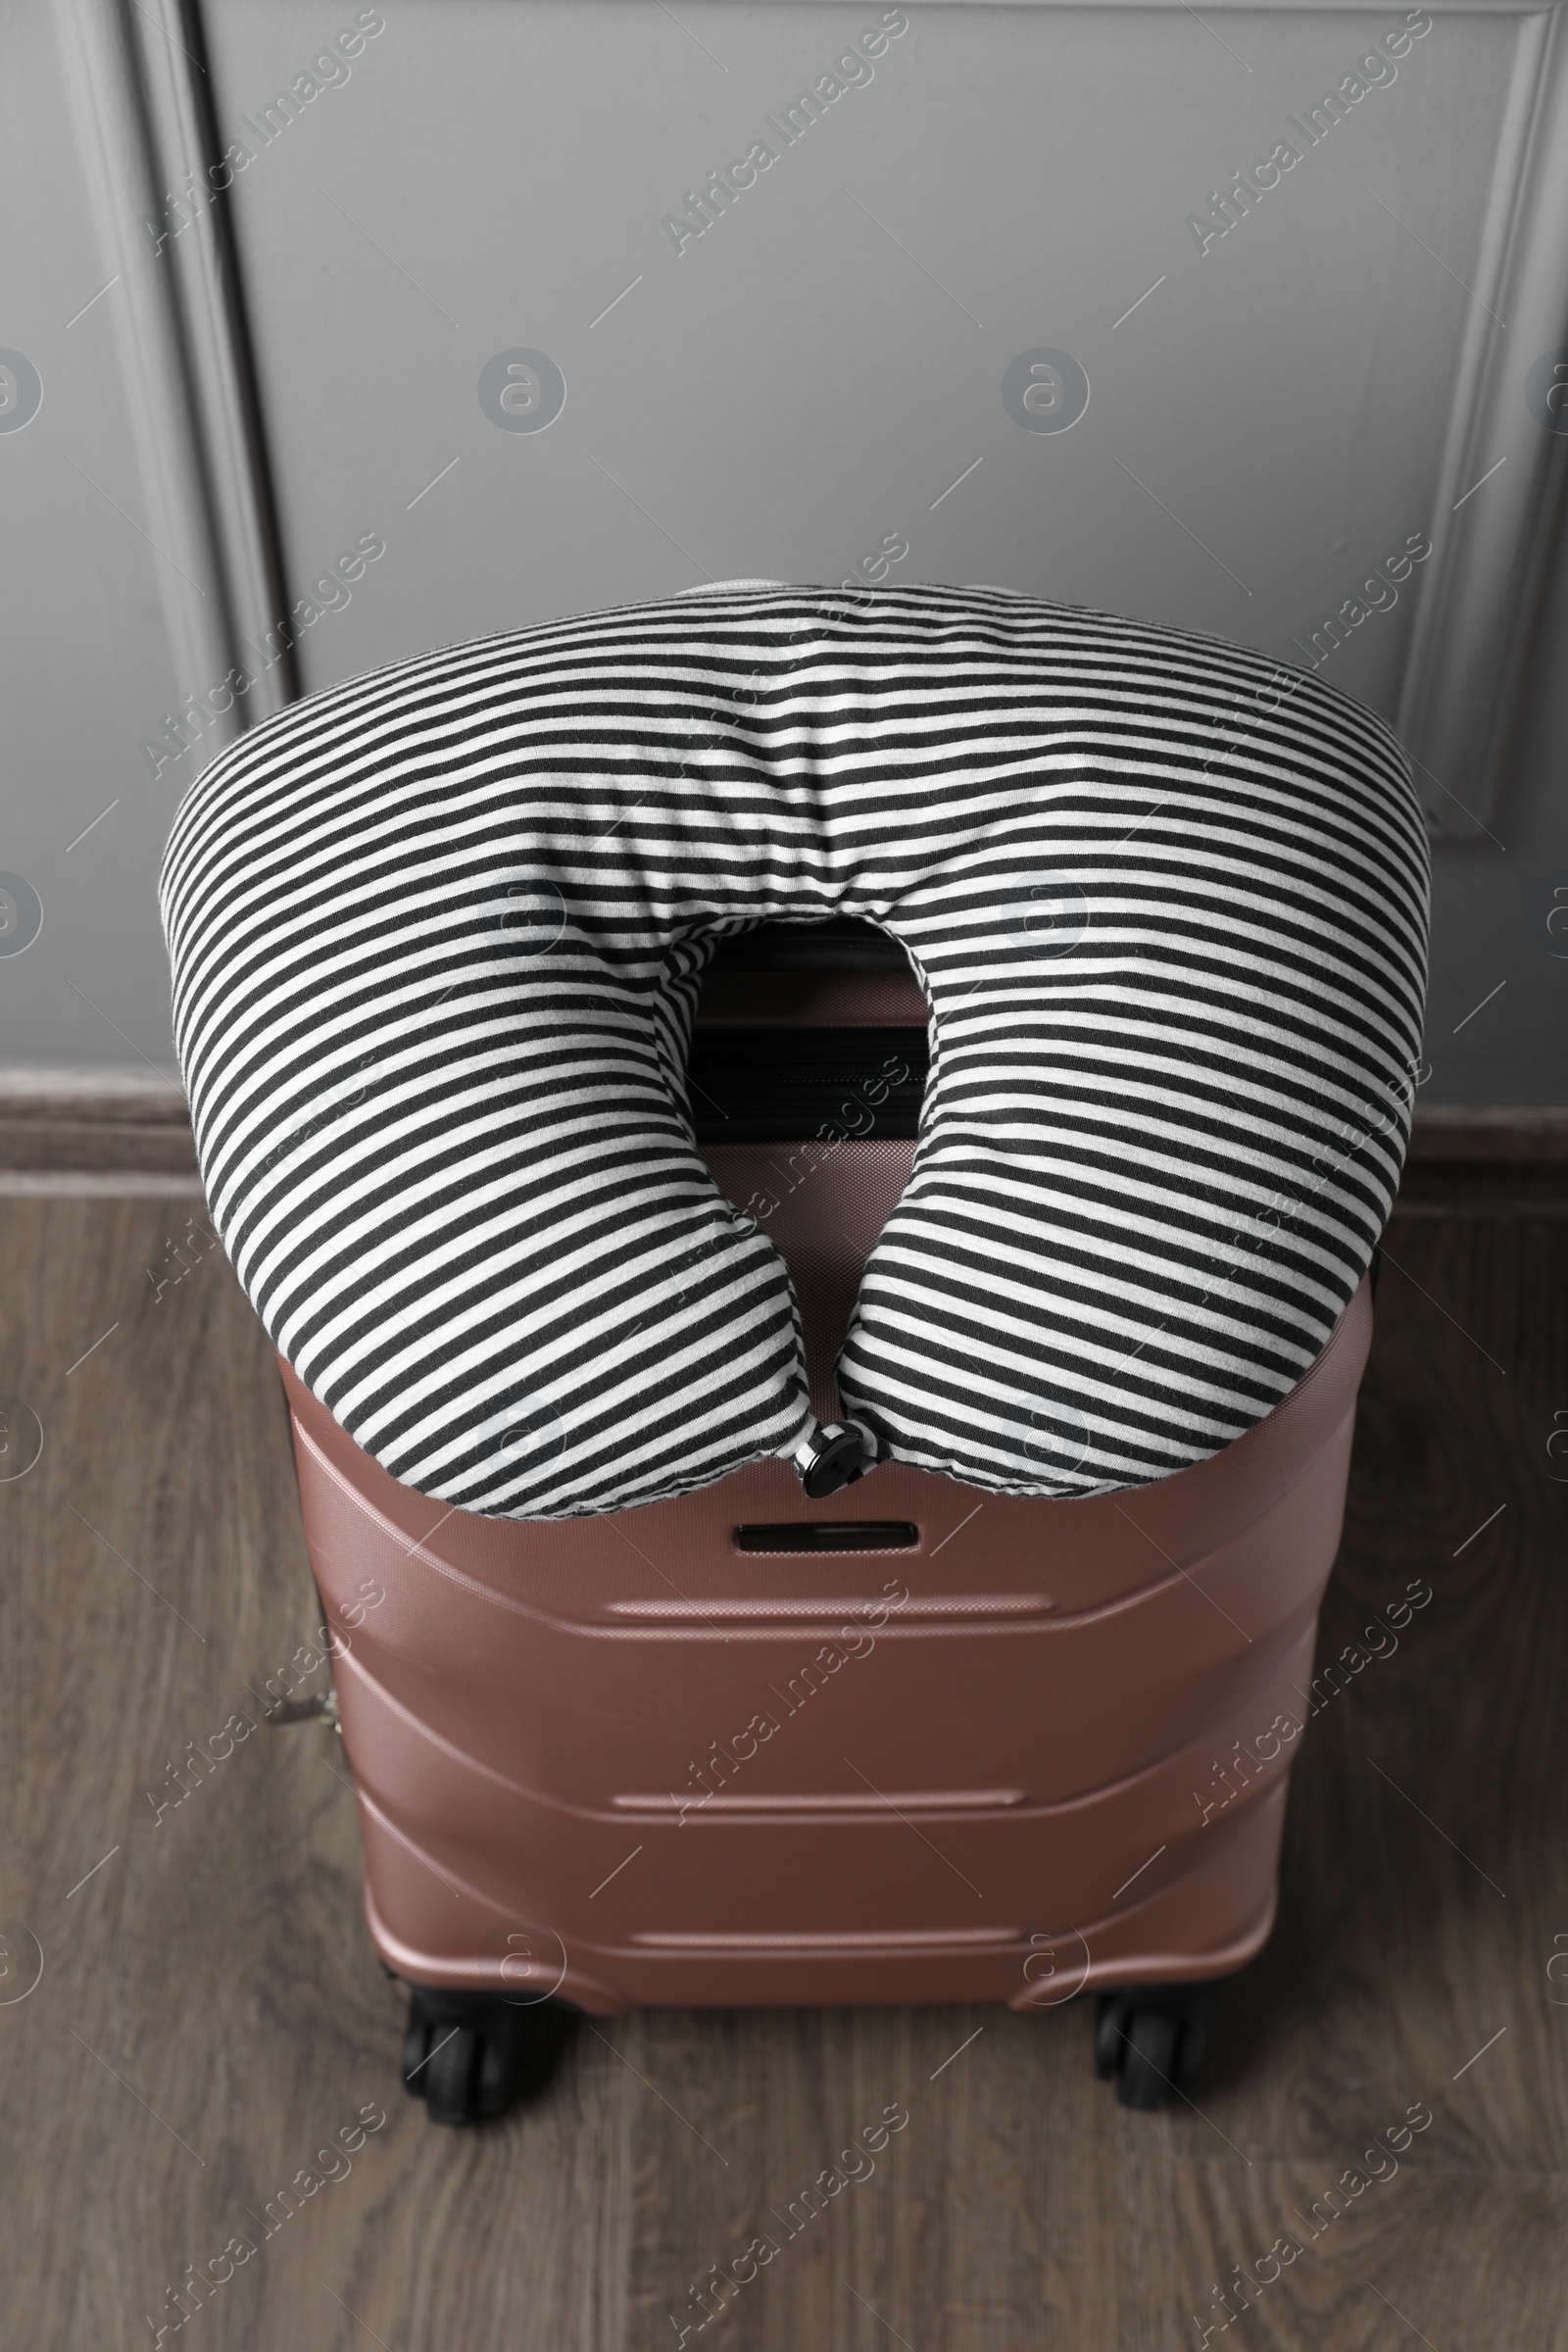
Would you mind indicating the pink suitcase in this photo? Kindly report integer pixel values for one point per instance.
(908, 1743)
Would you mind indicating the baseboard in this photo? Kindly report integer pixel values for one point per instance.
(71, 1133)
(1494, 1160)
(67, 1132)
(1522, 1133)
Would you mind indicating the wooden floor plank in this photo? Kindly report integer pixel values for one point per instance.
(211, 2016)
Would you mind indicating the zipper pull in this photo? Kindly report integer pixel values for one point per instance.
(832, 1455)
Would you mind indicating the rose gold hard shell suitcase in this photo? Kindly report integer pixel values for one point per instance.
(910, 1744)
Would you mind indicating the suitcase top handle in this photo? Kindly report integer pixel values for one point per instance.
(437, 936)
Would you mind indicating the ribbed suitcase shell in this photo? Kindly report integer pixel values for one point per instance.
(1044, 1748)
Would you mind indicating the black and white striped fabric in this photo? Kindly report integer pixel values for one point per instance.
(436, 938)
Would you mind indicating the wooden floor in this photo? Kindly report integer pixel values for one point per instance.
(210, 2014)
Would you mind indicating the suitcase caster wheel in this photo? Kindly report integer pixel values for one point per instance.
(472, 2057)
(1151, 2042)
(451, 2087)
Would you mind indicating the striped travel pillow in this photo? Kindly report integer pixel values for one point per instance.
(437, 936)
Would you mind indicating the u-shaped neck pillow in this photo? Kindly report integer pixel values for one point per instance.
(437, 936)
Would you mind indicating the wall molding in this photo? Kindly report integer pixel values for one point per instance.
(138, 94)
(1459, 696)
(1475, 627)
(138, 77)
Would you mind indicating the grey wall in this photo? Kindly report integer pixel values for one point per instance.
(814, 385)
(90, 653)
